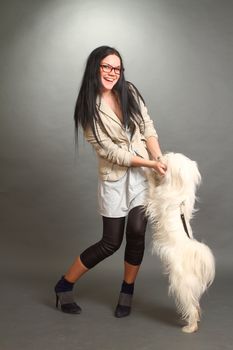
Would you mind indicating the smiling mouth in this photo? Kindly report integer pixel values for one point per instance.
(109, 80)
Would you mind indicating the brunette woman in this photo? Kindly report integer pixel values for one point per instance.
(115, 121)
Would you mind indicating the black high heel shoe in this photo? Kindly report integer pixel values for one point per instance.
(123, 307)
(65, 298)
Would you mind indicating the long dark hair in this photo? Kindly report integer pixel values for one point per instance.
(86, 111)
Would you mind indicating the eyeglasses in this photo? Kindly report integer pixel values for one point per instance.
(107, 68)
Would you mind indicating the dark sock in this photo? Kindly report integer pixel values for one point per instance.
(63, 285)
(127, 288)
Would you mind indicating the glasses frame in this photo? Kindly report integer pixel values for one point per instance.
(111, 68)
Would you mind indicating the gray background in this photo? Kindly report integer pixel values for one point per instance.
(179, 54)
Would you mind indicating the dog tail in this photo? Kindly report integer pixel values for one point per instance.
(203, 262)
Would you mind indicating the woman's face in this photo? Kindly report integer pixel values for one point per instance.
(109, 76)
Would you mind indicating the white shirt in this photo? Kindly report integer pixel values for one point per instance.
(117, 198)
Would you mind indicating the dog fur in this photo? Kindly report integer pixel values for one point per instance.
(189, 264)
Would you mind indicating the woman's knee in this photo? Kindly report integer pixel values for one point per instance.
(105, 248)
(135, 231)
(136, 225)
(98, 252)
(135, 239)
(110, 247)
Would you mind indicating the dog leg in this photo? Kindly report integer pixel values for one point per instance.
(198, 313)
(190, 328)
(192, 320)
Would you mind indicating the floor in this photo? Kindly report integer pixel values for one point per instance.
(30, 321)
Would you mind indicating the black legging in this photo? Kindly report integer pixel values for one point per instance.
(113, 231)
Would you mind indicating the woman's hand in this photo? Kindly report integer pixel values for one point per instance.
(156, 165)
(160, 168)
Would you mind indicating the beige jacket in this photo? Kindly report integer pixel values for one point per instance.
(114, 157)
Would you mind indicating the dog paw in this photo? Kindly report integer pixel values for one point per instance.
(198, 314)
(190, 328)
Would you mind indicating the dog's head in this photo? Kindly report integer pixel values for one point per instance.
(182, 172)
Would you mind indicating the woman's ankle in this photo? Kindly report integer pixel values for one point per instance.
(127, 288)
(63, 285)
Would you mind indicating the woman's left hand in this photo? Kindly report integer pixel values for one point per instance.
(160, 168)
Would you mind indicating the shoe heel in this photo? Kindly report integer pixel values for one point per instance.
(57, 299)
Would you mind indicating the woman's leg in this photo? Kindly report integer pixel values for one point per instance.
(135, 241)
(76, 270)
(113, 231)
(130, 272)
(135, 244)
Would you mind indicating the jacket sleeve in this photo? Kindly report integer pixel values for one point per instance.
(109, 150)
(147, 128)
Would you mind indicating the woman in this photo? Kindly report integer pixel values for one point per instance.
(114, 118)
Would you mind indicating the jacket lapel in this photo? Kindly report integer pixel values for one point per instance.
(104, 108)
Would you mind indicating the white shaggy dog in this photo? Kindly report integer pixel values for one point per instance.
(189, 264)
